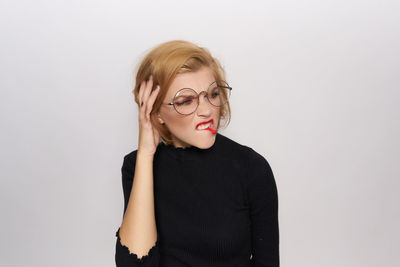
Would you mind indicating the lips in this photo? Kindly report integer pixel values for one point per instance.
(207, 125)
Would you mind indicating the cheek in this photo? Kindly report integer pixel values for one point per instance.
(181, 123)
(216, 112)
(177, 123)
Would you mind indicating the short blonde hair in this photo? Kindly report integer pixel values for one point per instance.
(167, 60)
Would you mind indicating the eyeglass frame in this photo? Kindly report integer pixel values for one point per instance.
(198, 96)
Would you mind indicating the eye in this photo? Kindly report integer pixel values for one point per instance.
(214, 93)
(186, 101)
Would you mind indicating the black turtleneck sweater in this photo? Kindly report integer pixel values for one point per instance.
(213, 207)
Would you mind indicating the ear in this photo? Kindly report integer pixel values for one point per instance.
(159, 119)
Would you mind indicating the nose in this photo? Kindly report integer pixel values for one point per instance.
(204, 108)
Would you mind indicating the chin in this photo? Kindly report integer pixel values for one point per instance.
(205, 144)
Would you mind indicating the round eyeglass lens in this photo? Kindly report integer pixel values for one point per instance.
(185, 102)
(219, 93)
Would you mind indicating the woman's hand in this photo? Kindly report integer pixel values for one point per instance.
(149, 137)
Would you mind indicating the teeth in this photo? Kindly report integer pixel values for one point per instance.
(203, 126)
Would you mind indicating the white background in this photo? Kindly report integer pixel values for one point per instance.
(315, 91)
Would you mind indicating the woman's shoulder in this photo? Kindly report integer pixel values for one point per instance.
(130, 158)
(235, 149)
(245, 158)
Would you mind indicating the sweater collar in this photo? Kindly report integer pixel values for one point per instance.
(189, 153)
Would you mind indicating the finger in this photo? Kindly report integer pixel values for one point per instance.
(147, 91)
(142, 97)
(142, 105)
(151, 101)
(141, 89)
(146, 94)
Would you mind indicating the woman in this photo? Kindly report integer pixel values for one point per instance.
(197, 198)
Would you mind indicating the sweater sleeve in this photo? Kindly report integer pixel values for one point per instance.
(263, 203)
(123, 257)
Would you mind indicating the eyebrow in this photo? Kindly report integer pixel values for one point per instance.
(193, 88)
(182, 96)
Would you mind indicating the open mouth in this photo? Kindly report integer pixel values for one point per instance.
(208, 125)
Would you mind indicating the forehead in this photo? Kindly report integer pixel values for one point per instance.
(197, 80)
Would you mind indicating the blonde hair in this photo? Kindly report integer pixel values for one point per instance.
(167, 60)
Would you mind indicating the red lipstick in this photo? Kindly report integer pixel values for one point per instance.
(210, 128)
(211, 120)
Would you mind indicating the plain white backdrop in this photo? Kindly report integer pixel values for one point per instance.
(315, 91)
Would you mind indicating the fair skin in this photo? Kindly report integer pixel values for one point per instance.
(183, 127)
(138, 228)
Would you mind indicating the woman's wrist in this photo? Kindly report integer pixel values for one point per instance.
(145, 155)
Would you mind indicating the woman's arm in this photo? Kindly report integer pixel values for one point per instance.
(137, 235)
(263, 201)
(138, 229)
(124, 257)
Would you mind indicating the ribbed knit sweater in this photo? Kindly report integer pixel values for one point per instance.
(213, 207)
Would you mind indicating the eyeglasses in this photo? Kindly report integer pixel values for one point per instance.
(186, 100)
